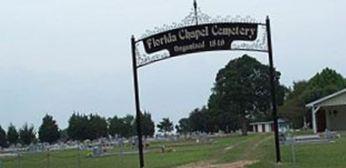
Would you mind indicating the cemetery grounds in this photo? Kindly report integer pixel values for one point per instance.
(253, 151)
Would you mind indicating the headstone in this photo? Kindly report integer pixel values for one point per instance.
(163, 147)
(121, 146)
(329, 134)
(97, 151)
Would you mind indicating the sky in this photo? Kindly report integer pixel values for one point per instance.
(61, 56)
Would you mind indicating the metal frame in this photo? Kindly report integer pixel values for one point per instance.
(135, 67)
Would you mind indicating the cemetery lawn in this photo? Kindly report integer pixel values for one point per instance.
(257, 150)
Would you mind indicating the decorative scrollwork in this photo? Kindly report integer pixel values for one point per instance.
(260, 44)
(143, 59)
(203, 18)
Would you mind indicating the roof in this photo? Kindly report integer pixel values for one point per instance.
(259, 123)
(323, 99)
(268, 122)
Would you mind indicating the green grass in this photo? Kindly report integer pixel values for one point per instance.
(328, 155)
(258, 147)
(304, 132)
(322, 155)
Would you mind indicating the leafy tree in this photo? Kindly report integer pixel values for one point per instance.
(64, 135)
(226, 121)
(115, 126)
(184, 126)
(121, 126)
(96, 127)
(148, 125)
(165, 126)
(3, 138)
(48, 131)
(294, 108)
(12, 135)
(27, 135)
(323, 84)
(77, 127)
(128, 126)
(82, 127)
(198, 120)
(241, 93)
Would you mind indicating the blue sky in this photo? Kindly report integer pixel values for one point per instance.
(60, 56)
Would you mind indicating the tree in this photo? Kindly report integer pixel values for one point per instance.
(184, 126)
(77, 127)
(165, 126)
(148, 125)
(64, 135)
(241, 93)
(82, 127)
(294, 108)
(115, 126)
(323, 84)
(48, 131)
(123, 127)
(227, 121)
(12, 135)
(198, 120)
(3, 138)
(96, 127)
(27, 135)
(128, 126)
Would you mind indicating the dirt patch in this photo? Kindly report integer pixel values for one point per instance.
(238, 164)
(234, 145)
(229, 148)
(246, 157)
(249, 151)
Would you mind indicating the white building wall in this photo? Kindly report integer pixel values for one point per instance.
(268, 128)
(259, 128)
(335, 101)
(262, 127)
(337, 121)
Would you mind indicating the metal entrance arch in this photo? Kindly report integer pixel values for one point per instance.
(198, 33)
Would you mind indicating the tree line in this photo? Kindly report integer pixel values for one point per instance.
(241, 94)
(25, 135)
(83, 127)
(80, 127)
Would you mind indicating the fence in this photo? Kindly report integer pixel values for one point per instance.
(72, 158)
(42, 160)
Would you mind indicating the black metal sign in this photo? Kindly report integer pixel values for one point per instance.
(210, 35)
(206, 37)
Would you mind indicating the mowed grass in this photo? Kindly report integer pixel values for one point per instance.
(258, 147)
(316, 155)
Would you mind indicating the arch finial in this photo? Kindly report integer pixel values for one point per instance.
(195, 9)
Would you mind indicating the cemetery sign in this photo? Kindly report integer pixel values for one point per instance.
(199, 32)
(206, 37)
